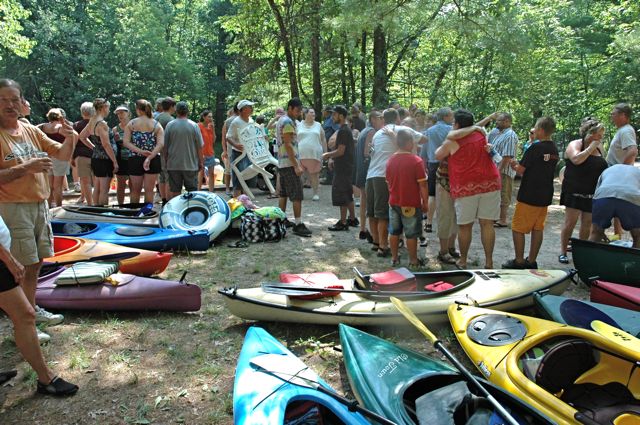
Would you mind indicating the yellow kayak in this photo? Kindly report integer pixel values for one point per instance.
(572, 375)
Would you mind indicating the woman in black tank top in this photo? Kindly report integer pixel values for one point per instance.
(584, 164)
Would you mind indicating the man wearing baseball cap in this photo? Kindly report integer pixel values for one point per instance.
(239, 123)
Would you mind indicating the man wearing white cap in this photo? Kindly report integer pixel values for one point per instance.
(239, 123)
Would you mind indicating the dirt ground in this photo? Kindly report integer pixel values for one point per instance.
(163, 368)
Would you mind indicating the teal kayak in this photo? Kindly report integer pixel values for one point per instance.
(261, 396)
(409, 388)
(582, 313)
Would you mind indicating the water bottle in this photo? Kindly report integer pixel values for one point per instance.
(497, 158)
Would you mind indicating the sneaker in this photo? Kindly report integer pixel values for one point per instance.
(339, 226)
(424, 242)
(428, 228)
(301, 230)
(353, 222)
(288, 223)
(315, 198)
(68, 192)
(76, 187)
(446, 258)
(530, 264)
(57, 387)
(562, 258)
(43, 337)
(357, 203)
(364, 234)
(45, 317)
(513, 264)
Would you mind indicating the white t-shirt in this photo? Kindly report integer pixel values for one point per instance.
(236, 126)
(309, 144)
(619, 181)
(384, 146)
(5, 236)
(624, 138)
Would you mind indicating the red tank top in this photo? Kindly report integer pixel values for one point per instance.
(471, 169)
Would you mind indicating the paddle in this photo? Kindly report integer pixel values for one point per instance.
(107, 257)
(580, 314)
(295, 372)
(293, 290)
(408, 314)
(616, 335)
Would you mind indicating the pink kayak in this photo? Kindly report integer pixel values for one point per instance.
(122, 292)
(615, 294)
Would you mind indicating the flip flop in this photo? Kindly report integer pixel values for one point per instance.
(499, 225)
(238, 244)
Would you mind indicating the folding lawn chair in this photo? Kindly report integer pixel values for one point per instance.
(256, 149)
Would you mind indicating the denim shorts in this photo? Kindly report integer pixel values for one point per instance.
(209, 162)
(400, 218)
(605, 209)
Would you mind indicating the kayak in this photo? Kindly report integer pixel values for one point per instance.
(142, 216)
(567, 373)
(610, 262)
(582, 313)
(260, 397)
(198, 210)
(145, 263)
(119, 292)
(143, 237)
(615, 294)
(501, 289)
(407, 387)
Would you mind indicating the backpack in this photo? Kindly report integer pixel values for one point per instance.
(274, 230)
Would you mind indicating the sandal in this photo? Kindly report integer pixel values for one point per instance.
(384, 252)
(418, 266)
(455, 254)
(446, 258)
(57, 387)
(395, 263)
(428, 228)
(375, 246)
(562, 258)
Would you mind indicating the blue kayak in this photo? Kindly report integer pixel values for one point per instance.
(262, 395)
(142, 237)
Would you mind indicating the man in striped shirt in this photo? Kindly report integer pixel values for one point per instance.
(505, 141)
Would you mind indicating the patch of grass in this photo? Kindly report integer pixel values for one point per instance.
(30, 377)
(79, 359)
(140, 418)
(125, 357)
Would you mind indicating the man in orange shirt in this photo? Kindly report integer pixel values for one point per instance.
(25, 153)
(207, 128)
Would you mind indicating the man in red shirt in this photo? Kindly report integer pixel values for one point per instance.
(475, 184)
(408, 198)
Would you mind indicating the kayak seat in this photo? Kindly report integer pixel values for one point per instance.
(563, 363)
(134, 231)
(602, 403)
(400, 279)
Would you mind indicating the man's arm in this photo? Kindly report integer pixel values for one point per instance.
(338, 152)
(630, 155)
(447, 148)
(486, 120)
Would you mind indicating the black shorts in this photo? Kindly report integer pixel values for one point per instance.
(290, 184)
(580, 203)
(136, 168)
(341, 190)
(123, 167)
(102, 167)
(432, 167)
(7, 282)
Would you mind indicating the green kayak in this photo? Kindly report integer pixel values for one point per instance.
(582, 313)
(610, 262)
(408, 388)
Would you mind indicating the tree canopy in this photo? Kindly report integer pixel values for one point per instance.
(564, 58)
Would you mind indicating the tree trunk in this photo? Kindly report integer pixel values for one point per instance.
(363, 70)
(221, 94)
(288, 52)
(315, 61)
(380, 96)
(343, 76)
(352, 79)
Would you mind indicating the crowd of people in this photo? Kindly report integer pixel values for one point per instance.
(405, 170)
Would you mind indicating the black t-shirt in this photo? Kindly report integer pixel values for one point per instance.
(344, 164)
(540, 161)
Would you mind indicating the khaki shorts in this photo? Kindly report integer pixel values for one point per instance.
(485, 206)
(83, 165)
(445, 214)
(506, 191)
(30, 228)
(377, 198)
(528, 217)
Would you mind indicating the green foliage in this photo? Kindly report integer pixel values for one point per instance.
(11, 13)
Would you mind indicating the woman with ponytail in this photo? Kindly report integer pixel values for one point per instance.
(144, 137)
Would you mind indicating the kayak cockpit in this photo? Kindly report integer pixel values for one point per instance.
(73, 229)
(434, 284)
(307, 411)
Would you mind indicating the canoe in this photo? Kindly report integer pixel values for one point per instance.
(502, 289)
(113, 214)
(400, 384)
(143, 237)
(146, 263)
(121, 292)
(574, 313)
(198, 210)
(615, 294)
(610, 262)
(560, 370)
(261, 398)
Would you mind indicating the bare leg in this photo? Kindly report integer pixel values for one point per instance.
(103, 190)
(343, 213)
(282, 203)
(432, 209)
(314, 178)
(635, 234)
(503, 214)
(352, 210)
(617, 227)
(452, 241)
(135, 189)
(536, 243)
(488, 238)
(585, 225)
(297, 209)
(383, 233)
(373, 229)
(50, 199)
(121, 186)
(86, 190)
(212, 180)
(518, 246)
(227, 182)
(464, 239)
(596, 234)
(149, 182)
(57, 190)
(394, 241)
(21, 312)
(363, 210)
(570, 219)
(412, 248)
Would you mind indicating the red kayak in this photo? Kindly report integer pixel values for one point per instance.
(615, 294)
(142, 262)
(121, 292)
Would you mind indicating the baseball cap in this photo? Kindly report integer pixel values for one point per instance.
(122, 108)
(328, 109)
(341, 110)
(244, 103)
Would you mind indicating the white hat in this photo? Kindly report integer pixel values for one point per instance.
(244, 103)
(122, 108)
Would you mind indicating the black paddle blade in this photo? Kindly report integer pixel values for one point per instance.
(579, 314)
